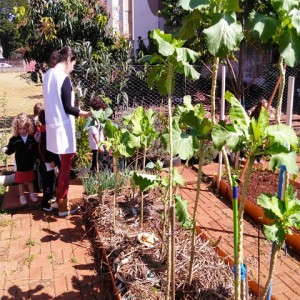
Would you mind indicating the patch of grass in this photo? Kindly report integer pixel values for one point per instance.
(106, 178)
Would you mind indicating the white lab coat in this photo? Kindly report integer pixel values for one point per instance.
(60, 126)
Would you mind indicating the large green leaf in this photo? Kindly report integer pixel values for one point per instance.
(189, 71)
(110, 128)
(224, 36)
(259, 126)
(194, 4)
(163, 40)
(229, 6)
(154, 75)
(237, 112)
(294, 14)
(177, 178)
(262, 26)
(284, 5)
(275, 233)
(222, 136)
(134, 141)
(190, 25)
(182, 213)
(145, 181)
(283, 135)
(272, 203)
(183, 144)
(289, 46)
(294, 220)
(285, 159)
(186, 55)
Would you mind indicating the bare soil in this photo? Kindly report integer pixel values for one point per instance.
(263, 181)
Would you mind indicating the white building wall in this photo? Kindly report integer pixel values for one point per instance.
(134, 18)
(145, 19)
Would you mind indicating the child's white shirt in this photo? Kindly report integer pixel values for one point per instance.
(93, 131)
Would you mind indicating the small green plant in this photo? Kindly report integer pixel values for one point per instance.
(30, 258)
(73, 260)
(284, 215)
(51, 257)
(107, 180)
(30, 243)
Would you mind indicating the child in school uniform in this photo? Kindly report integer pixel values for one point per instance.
(47, 163)
(23, 144)
(96, 134)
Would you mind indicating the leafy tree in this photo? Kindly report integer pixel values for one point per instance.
(8, 28)
(47, 25)
(102, 54)
(283, 29)
(171, 58)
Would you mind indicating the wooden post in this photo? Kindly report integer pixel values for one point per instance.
(222, 117)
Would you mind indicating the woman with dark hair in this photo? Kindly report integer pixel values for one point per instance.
(60, 115)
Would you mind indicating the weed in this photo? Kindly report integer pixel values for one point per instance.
(5, 221)
(73, 260)
(51, 257)
(30, 242)
(30, 258)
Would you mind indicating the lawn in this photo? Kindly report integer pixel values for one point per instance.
(19, 95)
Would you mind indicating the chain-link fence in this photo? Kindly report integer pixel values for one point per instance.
(128, 92)
(135, 91)
(18, 95)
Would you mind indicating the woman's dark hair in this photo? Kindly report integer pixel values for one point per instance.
(65, 53)
(37, 108)
(42, 117)
(98, 103)
(53, 58)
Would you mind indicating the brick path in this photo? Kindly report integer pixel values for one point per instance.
(46, 257)
(43, 256)
(215, 217)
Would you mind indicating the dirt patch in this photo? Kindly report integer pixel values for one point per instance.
(263, 181)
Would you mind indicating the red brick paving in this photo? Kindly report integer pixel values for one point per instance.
(43, 256)
(214, 216)
(46, 257)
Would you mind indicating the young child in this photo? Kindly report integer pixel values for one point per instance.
(36, 110)
(96, 134)
(47, 163)
(23, 144)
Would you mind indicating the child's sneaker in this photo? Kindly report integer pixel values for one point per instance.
(47, 209)
(33, 197)
(52, 200)
(23, 200)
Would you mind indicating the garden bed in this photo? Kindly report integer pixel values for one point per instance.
(262, 181)
(139, 271)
